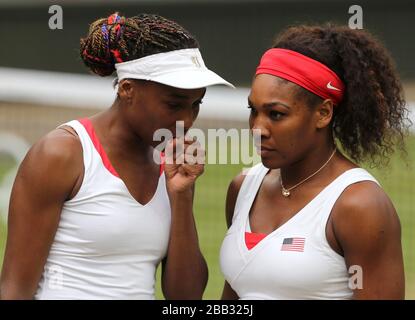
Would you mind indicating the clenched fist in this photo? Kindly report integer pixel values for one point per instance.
(184, 162)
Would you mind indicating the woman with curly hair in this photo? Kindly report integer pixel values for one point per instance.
(308, 222)
(92, 213)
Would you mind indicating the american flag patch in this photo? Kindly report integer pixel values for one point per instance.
(293, 244)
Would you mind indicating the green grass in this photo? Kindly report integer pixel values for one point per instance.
(3, 235)
(397, 180)
(6, 164)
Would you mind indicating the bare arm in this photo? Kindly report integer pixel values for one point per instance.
(368, 230)
(44, 181)
(185, 272)
(233, 190)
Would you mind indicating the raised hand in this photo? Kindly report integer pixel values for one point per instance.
(184, 162)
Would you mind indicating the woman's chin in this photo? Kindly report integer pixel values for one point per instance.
(271, 162)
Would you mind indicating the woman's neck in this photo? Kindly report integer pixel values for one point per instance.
(315, 160)
(117, 134)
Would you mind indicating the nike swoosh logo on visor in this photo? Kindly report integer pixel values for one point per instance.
(329, 86)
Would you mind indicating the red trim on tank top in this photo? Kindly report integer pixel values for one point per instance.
(252, 239)
(98, 146)
(162, 162)
(92, 134)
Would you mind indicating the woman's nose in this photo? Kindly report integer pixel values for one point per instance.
(187, 118)
(260, 128)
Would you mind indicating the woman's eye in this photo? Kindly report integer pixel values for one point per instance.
(252, 110)
(197, 104)
(275, 115)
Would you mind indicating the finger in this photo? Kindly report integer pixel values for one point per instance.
(180, 159)
(193, 170)
(175, 148)
(179, 145)
(201, 157)
(195, 154)
(182, 150)
(169, 152)
(190, 139)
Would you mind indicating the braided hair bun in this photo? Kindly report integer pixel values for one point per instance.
(118, 39)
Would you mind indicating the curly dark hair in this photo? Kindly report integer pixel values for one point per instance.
(372, 118)
(117, 39)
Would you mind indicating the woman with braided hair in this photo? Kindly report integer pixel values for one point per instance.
(92, 214)
(308, 222)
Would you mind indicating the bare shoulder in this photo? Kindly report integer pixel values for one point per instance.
(236, 184)
(365, 199)
(232, 195)
(55, 158)
(368, 230)
(60, 144)
(363, 214)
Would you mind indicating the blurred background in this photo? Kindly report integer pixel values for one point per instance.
(43, 83)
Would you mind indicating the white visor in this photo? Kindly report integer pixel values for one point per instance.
(183, 69)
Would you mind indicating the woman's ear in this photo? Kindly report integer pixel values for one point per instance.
(125, 90)
(324, 113)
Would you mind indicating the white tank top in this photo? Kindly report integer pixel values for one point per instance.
(107, 245)
(295, 261)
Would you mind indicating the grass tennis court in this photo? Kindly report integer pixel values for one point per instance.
(397, 180)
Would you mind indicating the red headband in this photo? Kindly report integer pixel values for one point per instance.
(304, 71)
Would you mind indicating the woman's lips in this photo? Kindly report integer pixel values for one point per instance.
(264, 151)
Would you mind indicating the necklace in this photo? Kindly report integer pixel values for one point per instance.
(286, 192)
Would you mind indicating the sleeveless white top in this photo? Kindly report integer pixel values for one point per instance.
(295, 261)
(107, 245)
